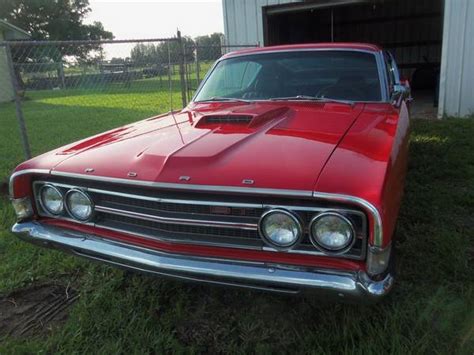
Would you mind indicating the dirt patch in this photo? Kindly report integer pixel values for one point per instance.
(35, 310)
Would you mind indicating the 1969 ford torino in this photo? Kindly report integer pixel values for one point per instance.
(285, 173)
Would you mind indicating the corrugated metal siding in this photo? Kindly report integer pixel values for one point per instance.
(243, 20)
(457, 69)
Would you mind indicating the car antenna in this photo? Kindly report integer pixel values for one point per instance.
(170, 84)
(170, 81)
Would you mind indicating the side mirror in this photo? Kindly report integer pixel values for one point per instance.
(401, 92)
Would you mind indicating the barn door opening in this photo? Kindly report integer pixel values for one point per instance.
(410, 30)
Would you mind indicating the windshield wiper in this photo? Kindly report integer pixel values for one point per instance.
(222, 98)
(312, 98)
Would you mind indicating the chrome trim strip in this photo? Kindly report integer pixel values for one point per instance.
(314, 252)
(367, 206)
(23, 172)
(132, 214)
(384, 97)
(353, 286)
(382, 69)
(201, 202)
(168, 240)
(169, 220)
(200, 188)
(156, 199)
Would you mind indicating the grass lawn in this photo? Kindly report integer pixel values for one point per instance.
(431, 310)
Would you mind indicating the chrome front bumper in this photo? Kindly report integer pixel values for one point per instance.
(335, 284)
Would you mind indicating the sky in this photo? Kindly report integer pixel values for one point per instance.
(155, 19)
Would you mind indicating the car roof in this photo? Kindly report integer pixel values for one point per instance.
(295, 47)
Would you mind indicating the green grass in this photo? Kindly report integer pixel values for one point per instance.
(431, 309)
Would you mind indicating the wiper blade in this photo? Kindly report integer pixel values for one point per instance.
(297, 97)
(312, 98)
(222, 98)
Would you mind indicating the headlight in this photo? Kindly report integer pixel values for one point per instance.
(51, 199)
(280, 228)
(332, 232)
(79, 205)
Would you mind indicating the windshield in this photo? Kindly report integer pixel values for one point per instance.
(332, 74)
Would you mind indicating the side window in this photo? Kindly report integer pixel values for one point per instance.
(392, 71)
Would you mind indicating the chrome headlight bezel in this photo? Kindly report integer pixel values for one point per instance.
(69, 210)
(325, 249)
(267, 240)
(43, 203)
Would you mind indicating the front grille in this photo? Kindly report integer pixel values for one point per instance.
(166, 207)
(201, 218)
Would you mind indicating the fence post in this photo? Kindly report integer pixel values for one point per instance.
(61, 74)
(181, 69)
(186, 72)
(198, 79)
(19, 111)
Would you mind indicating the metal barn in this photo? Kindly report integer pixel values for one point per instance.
(432, 40)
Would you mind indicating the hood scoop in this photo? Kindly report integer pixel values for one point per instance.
(242, 119)
(225, 119)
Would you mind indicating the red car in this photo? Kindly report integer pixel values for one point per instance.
(285, 173)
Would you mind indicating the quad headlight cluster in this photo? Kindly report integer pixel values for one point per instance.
(329, 232)
(75, 202)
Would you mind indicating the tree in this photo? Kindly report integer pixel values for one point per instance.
(56, 20)
(209, 46)
(151, 54)
(116, 60)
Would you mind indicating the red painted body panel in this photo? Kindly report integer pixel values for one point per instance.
(370, 162)
(358, 150)
(299, 139)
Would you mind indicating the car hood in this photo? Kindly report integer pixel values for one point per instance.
(267, 145)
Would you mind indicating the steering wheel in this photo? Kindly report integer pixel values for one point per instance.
(328, 91)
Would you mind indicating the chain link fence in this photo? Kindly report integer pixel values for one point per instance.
(59, 92)
(56, 92)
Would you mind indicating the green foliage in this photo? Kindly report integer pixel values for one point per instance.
(209, 46)
(54, 20)
(162, 53)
